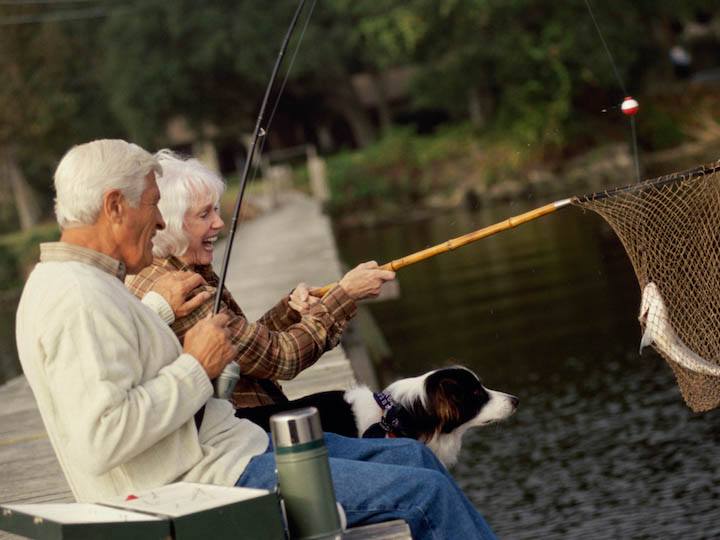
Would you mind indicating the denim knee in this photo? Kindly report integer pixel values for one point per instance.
(419, 455)
(436, 507)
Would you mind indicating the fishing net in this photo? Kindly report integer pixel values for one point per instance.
(670, 228)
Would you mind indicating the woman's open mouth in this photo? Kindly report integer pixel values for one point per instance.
(209, 242)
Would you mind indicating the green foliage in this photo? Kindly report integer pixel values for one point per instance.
(20, 251)
(658, 129)
(400, 169)
(538, 69)
(534, 60)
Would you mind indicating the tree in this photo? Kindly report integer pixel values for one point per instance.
(210, 61)
(534, 62)
(49, 99)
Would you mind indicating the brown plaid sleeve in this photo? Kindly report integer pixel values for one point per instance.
(343, 308)
(268, 354)
(280, 316)
(264, 353)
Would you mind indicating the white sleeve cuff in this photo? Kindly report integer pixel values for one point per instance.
(159, 305)
(201, 384)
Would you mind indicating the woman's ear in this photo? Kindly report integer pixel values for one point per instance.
(114, 205)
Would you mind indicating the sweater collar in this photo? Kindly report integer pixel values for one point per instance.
(64, 252)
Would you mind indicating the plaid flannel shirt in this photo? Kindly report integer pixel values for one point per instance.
(277, 347)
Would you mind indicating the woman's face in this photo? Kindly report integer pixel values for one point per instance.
(202, 224)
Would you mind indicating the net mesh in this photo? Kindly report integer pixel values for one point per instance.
(670, 228)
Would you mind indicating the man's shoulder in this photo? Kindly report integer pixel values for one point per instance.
(71, 282)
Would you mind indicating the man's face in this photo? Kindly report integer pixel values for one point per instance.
(141, 225)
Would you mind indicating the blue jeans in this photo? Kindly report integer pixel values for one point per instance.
(379, 480)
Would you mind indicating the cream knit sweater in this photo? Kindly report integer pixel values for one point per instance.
(115, 392)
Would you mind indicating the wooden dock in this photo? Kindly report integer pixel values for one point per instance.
(271, 254)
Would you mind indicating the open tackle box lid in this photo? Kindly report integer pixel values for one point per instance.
(181, 511)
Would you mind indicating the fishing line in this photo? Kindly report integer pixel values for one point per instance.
(622, 87)
(290, 66)
(266, 129)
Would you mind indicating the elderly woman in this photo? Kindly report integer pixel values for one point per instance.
(288, 338)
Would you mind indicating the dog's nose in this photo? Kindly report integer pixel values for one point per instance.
(515, 401)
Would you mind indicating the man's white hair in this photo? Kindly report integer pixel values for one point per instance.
(185, 184)
(88, 171)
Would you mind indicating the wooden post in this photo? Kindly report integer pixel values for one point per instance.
(317, 171)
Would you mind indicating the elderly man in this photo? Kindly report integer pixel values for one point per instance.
(117, 392)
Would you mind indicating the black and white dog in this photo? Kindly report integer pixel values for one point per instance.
(436, 408)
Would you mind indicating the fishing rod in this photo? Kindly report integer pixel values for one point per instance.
(463, 240)
(532, 215)
(225, 383)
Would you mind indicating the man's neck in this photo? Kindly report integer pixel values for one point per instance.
(91, 237)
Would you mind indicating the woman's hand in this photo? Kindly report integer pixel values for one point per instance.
(365, 280)
(301, 300)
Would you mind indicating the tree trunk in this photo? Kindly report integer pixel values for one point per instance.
(25, 202)
(361, 126)
(382, 103)
(475, 108)
(347, 104)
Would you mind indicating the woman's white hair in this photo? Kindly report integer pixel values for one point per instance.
(87, 171)
(185, 184)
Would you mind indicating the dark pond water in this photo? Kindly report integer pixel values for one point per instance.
(602, 445)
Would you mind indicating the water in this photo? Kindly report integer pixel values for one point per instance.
(602, 445)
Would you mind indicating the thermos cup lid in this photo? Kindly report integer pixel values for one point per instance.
(295, 427)
(225, 383)
(232, 368)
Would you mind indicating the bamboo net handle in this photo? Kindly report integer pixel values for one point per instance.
(463, 240)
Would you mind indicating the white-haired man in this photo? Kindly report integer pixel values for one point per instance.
(117, 391)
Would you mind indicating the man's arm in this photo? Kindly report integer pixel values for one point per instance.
(110, 414)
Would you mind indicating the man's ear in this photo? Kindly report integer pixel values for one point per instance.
(114, 205)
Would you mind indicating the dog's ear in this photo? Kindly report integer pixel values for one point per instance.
(446, 403)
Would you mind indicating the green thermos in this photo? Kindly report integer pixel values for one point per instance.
(304, 480)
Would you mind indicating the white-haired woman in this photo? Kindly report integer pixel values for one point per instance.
(288, 338)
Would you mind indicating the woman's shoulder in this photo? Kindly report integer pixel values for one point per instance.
(140, 283)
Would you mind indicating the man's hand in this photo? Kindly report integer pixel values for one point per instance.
(209, 342)
(301, 300)
(176, 287)
(365, 280)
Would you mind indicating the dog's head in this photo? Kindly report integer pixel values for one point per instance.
(449, 401)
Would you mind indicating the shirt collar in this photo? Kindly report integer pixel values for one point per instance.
(173, 262)
(205, 270)
(64, 252)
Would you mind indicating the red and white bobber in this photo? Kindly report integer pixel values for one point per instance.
(629, 106)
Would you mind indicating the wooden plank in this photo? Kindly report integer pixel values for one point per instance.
(24, 421)
(35, 448)
(390, 530)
